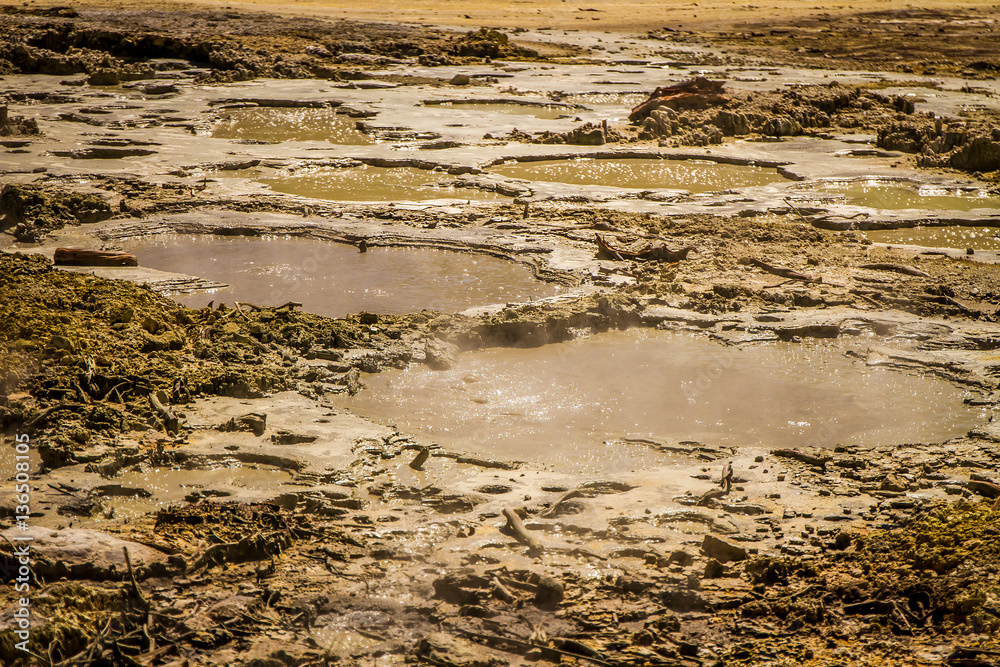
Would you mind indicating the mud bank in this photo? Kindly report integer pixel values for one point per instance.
(204, 490)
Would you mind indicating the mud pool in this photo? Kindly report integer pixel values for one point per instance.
(273, 125)
(136, 492)
(888, 196)
(334, 279)
(977, 238)
(645, 174)
(560, 404)
(544, 112)
(366, 183)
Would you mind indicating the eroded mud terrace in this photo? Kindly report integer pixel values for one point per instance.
(435, 359)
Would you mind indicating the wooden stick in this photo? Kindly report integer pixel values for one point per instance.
(778, 270)
(515, 526)
(569, 495)
(135, 585)
(170, 420)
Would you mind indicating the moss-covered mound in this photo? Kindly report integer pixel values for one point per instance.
(80, 355)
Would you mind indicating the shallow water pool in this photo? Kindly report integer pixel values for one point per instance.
(561, 403)
(644, 174)
(334, 279)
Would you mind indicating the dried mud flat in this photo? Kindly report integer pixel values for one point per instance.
(198, 499)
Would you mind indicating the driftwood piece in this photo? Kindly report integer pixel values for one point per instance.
(659, 253)
(79, 257)
(802, 456)
(778, 270)
(515, 526)
(895, 268)
(136, 591)
(696, 93)
(501, 593)
(170, 420)
(47, 412)
(555, 510)
(987, 489)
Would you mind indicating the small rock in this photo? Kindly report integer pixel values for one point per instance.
(681, 557)
(724, 552)
(714, 569)
(440, 356)
(460, 80)
(895, 483)
(549, 591)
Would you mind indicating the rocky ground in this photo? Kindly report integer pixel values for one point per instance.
(364, 546)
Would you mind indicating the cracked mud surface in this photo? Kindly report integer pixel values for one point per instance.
(268, 522)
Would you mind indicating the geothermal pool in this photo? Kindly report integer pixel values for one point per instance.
(644, 174)
(882, 195)
(560, 404)
(334, 279)
(978, 238)
(274, 125)
(367, 183)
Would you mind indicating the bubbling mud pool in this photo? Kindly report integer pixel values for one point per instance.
(978, 238)
(644, 174)
(367, 183)
(274, 125)
(334, 279)
(569, 404)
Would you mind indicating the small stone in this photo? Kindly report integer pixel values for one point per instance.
(714, 569)
(549, 591)
(724, 552)
(895, 483)
(460, 80)
(681, 557)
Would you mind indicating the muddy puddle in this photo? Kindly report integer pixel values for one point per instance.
(645, 174)
(508, 109)
(367, 183)
(274, 125)
(334, 279)
(889, 196)
(978, 238)
(629, 100)
(559, 404)
(137, 492)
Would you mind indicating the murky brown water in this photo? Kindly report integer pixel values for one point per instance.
(558, 404)
(629, 100)
(365, 183)
(276, 125)
(544, 112)
(170, 486)
(895, 197)
(334, 279)
(691, 175)
(980, 238)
